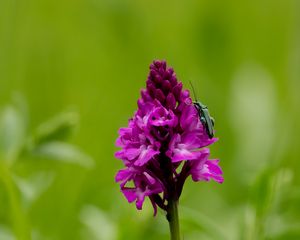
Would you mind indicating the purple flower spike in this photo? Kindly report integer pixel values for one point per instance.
(164, 133)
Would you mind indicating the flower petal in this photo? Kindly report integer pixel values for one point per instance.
(204, 170)
(130, 194)
(132, 153)
(146, 154)
(124, 175)
(140, 200)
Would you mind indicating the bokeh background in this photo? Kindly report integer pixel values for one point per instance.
(86, 61)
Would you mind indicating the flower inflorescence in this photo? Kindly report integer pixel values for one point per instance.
(164, 134)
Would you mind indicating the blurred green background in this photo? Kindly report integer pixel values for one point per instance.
(90, 58)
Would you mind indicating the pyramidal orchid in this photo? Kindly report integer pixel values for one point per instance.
(164, 143)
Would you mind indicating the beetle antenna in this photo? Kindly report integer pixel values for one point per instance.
(194, 93)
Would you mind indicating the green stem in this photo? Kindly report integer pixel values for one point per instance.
(172, 216)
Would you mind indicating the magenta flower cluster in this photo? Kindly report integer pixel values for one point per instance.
(164, 143)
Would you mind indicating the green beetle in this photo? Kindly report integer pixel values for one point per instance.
(207, 121)
(205, 118)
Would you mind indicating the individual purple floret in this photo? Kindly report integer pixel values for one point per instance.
(164, 133)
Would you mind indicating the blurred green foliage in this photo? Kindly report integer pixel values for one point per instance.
(89, 59)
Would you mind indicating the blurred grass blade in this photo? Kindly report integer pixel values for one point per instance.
(63, 152)
(265, 196)
(58, 128)
(261, 192)
(12, 132)
(201, 222)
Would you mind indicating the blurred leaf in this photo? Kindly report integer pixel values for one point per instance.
(5, 233)
(37, 235)
(291, 233)
(58, 128)
(32, 187)
(98, 224)
(253, 111)
(63, 152)
(12, 132)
